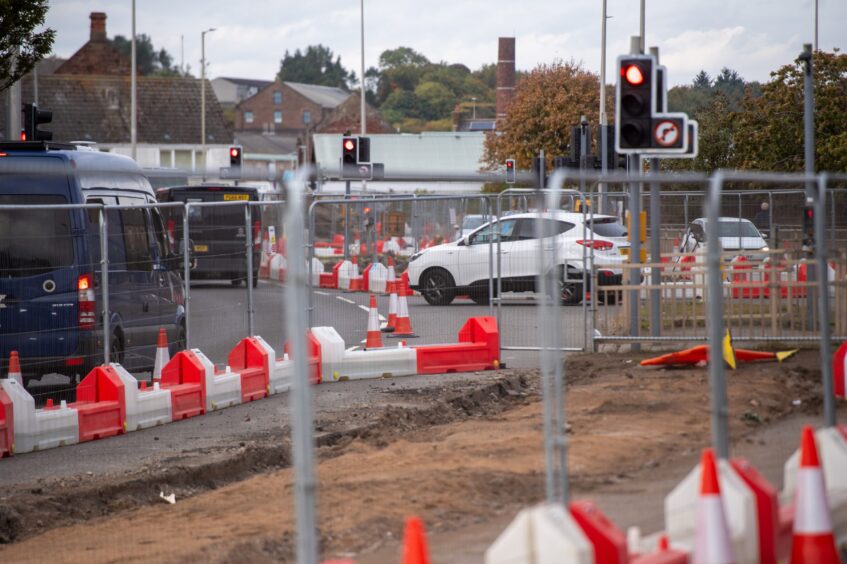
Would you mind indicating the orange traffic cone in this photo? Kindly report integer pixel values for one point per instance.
(392, 298)
(162, 355)
(693, 355)
(374, 338)
(355, 279)
(414, 542)
(711, 544)
(403, 325)
(15, 368)
(744, 355)
(813, 539)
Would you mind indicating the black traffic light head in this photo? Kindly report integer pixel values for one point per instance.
(349, 150)
(364, 150)
(33, 117)
(635, 102)
(235, 155)
(510, 171)
(809, 226)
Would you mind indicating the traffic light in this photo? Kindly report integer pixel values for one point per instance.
(235, 154)
(510, 171)
(809, 226)
(364, 150)
(349, 151)
(33, 117)
(635, 103)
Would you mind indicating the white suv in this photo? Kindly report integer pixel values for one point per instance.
(442, 272)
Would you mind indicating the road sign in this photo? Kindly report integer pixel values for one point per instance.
(693, 141)
(361, 171)
(666, 133)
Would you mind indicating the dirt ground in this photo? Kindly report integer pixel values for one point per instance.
(456, 458)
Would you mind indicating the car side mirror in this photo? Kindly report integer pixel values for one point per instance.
(465, 241)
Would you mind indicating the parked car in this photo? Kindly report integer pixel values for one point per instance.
(737, 237)
(469, 224)
(442, 272)
(51, 288)
(218, 233)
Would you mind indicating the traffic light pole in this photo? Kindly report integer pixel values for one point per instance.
(347, 221)
(634, 167)
(655, 253)
(809, 154)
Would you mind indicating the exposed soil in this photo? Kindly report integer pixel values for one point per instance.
(456, 456)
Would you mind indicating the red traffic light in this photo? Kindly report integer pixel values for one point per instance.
(633, 75)
(23, 135)
(349, 145)
(510, 164)
(234, 152)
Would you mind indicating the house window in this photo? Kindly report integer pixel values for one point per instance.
(248, 117)
(307, 116)
(277, 97)
(277, 117)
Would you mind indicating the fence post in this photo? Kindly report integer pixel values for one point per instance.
(104, 283)
(655, 253)
(248, 247)
(823, 304)
(186, 273)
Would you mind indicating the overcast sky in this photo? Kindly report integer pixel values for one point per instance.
(753, 37)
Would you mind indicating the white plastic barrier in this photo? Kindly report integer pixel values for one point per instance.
(345, 273)
(222, 390)
(544, 534)
(39, 429)
(739, 506)
(278, 267)
(337, 363)
(281, 375)
(391, 246)
(317, 270)
(377, 278)
(144, 408)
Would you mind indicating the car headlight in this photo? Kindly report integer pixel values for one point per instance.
(765, 249)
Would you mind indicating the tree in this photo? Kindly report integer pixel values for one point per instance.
(436, 100)
(770, 128)
(717, 130)
(20, 47)
(702, 80)
(401, 57)
(148, 60)
(317, 65)
(546, 104)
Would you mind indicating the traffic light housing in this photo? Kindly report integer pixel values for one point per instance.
(33, 117)
(364, 150)
(635, 103)
(809, 226)
(510, 171)
(236, 152)
(349, 151)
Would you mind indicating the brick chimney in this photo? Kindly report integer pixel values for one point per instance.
(98, 26)
(505, 75)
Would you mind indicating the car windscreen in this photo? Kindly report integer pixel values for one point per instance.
(221, 215)
(472, 222)
(738, 229)
(607, 227)
(34, 241)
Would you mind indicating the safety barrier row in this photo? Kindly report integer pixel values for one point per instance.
(110, 401)
(722, 511)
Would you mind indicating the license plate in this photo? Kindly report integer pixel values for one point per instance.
(201, 248)
(231, 197)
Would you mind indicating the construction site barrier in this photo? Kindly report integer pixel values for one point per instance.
(184, 376)
(608, 541)
(99, 404)
(39, 429)
(478, 349)
(144, 407)
(222, 388)
(251, 360)
(767, 508)
(839, 371)
(340, 364)
(7, 425)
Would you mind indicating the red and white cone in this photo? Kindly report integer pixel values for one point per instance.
(374, 338)
(163, 356)
(15, 368)
(392, 298)
(712, 544)
(403, 326)
(813, 539)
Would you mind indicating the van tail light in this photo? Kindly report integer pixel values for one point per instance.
(85, 297)
(257, 233)
(597, 245)
(171, 232)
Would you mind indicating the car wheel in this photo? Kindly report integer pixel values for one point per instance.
(570, 292)
(179, 343)
(236, 282)
(117, 348)
(438, 287)
(256, 279)
(480, 295)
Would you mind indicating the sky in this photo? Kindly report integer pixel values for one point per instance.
(753, 37)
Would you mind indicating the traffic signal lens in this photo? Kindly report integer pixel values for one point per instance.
(632, 134)
(633, 105)
(233, 153)
(510, 164)
(633, 75)
(349, 145)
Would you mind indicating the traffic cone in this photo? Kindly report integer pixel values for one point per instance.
(162, 355)
(15, 368)
(355, 279)
(745, 355)
(414, 542)
(813, 539)
(403, 325)
(711, 544)
(374, 338)
(392, 298)
(728, 352)
(694, 355)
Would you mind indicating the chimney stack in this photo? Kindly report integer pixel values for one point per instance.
(505, 75)
(98, 26)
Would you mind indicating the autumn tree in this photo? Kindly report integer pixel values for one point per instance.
(20, 46)
(769, 130)
(547, 103)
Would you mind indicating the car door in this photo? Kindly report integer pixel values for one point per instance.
(473, 259)
(524, 258)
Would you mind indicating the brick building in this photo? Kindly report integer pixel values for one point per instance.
(287, 107)
(98, 55)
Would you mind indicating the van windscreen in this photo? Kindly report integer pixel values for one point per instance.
(34, 241)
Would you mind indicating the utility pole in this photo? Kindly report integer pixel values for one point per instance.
(634, 170)
(13, 107)
(604, 119)
(809, 157)
(203, 96)
(364, 125)
(133, 120)
(655, 237)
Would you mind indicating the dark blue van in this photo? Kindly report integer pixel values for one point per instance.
(51, 292)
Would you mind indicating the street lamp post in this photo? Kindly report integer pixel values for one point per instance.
(362, 90)
(473, 106)
(203, 96)
(133, 121)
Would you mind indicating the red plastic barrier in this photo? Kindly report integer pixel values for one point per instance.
(100, 404)
(609, 542)
(7, 424)
(839, 371)
(745, 284)
(767, 508)
(478, 349)
(185, 377)
(786, 531)
(250, 359)
(366, 278)
(313, 346)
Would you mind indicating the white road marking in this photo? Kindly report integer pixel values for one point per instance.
(345, 300)
(322, 293)
(351, 349)
(366, 308)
